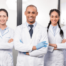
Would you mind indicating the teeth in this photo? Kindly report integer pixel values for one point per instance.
(30, 18)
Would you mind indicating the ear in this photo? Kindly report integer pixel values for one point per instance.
(59, 18)
(37, 14)
(25, 13)
(7, 18)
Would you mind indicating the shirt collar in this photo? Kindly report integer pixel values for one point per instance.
(4, 29)
(32, 24)
(54, 26)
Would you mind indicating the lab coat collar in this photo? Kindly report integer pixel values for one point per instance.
(57, 30)
(27, 31)
(33, 24)
(6, 31)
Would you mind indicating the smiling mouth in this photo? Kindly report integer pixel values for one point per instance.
(1, 21)
(30, 17)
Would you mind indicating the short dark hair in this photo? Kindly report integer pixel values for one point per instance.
(31, 6)
(4, 11)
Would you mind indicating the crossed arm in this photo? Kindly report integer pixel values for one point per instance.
(29, 49)
(8, 44)
(61, 45)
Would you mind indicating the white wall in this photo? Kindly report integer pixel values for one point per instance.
(12, 14)
(43, 7)
(63, 12)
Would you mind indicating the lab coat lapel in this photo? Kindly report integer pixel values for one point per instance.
(35, 31)
(25, 29)
(50, 30)
(57, 30)
(0, 35)
(6, 31)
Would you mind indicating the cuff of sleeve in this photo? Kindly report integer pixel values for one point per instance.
(50, 49)
(58, 46)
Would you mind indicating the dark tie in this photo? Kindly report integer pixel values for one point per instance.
(31, 30)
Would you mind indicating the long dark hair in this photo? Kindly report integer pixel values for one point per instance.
(61, 31)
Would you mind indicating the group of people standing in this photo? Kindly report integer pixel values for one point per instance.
(36, 45)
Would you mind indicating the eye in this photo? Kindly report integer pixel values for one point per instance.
(56, 16)
(33, 12)
(28, 12)
(4, 16)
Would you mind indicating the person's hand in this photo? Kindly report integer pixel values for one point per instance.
(55, 48)
(64, 40)
(26, 53)
(21, 41)
(53, 45)
(11, 40)
(42, 44)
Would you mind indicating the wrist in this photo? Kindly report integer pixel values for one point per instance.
(34, 48)
(27, 53)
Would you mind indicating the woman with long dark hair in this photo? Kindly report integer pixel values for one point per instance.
(54, 56)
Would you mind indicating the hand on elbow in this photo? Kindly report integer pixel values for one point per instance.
(64, 40)
(53, 45)
(11, 40)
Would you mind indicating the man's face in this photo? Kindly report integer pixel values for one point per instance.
(31, 14)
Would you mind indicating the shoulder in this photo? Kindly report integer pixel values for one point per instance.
(42, 28)
(63, 28)
(10, 30)
(20, 26)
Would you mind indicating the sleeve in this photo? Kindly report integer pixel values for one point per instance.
(18, 45)
(62, 45)
(42, 51)
(6, 45)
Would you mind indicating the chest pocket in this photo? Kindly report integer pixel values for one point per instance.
(6, 37)
(59, 39)
(38, 38)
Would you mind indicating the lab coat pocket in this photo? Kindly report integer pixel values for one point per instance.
(20, 60)
(59, 39)
(40, 61)
(38, 37)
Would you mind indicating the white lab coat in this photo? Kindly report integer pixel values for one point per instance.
(55, 57)
(6, 48)
(64, 52)
(36, 57)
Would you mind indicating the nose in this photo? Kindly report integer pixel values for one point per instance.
(1, 17)
(31, 14)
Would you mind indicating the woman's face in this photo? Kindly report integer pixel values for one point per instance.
(3, 17)
(54, 18)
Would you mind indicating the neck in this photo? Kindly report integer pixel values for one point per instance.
(3, 26)
(53, 24)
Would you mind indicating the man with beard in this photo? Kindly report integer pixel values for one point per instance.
(31, 40)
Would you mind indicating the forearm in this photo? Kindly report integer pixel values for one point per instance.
(61, 45)
(6, 45)
(53, 45)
